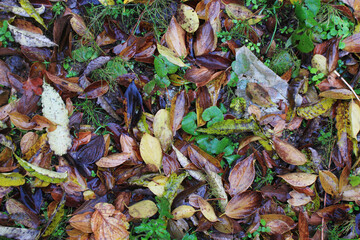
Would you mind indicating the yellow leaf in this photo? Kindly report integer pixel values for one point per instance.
(157, 185)
(107, 2)
(329, 182)
(26, 5)
(183, 211)
(354, 111)
(170, 55)
(187, 18)
(162, 129)
(207, 210)
(143, 209)
(150, 150)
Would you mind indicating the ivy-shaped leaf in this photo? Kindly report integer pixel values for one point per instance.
(188, 124)
(212, 115)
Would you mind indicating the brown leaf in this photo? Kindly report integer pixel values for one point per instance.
(214, 62)
(303, 226)
(330, 212)
(82, 222)
(278, 223)
(95, 90)
(258, 95)
(27, 141)
(21, 214)
(108, 223)
(203, 160)
(175, 38)
(199, 76)
(114, 160)
(288, 153)
(177, 111)
(243, 205)
(298, 199)
(329, 182)
(344, 178)
(352, 43)
(242, 176)
(79, 26)
(207, 210)
(215, 84)
(104, 39)
(72, 87)
(28, 26)
(205, 40)
(187, 18)
(299, 179)
(337, 94)
(22, 121)
(333, 55)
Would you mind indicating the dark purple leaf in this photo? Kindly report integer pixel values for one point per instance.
(134, 105)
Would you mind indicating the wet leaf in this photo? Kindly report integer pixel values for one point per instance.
(207, 210)
(114, 160)
(183, 211)
(107, 2)
(205, 40)
(56, 215)
(258, 95)
(143, 209)
(133, 105)
(73, 87)
(315, 110)
(26, 5)
(298, 199)
(11, 179)
(352, 43)
(157, 185)
(82, 222)
(187, 18)
(230, 126)
(242, 175)
(95, 90)
(150, 150)
(243, 205)
(354, 112)
(299, 179)
(343, 132)
(288, 153)
(329, 182)
(30, 39)
(278, 223)
(170, 55)
(337, 94)
(79, 26)
(177, 111)
(108, 223)
(175, 38)
(162, 128)
(42, 173)
(22, 121)
(21, 214)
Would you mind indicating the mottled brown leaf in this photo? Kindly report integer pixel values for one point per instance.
(288, 153)
(278, 223)
(329, 182)
(243, 205)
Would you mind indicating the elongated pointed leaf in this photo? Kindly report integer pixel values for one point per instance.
(243, 205)
(315, 110)
(26, 5)
(231, 126)
(288, 153)
(11, 179)
(242, 175)
(30, 39)
(42, 173)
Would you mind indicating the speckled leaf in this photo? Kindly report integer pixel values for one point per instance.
(187, 18)
(58, 215)
(278, 223)
(231, 126)
(42, 173)
(30, 39)
(337, 94)
(11, 179)
(343, 132)
(315, 110)
(26, 5)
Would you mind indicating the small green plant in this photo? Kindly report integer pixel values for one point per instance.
(68, 65)
(5, 34)
(252, 46)
(324, 136)
(262, 229)
(316, 77)
(256, 4)
(267, 180)
(240, 30)
(354, 208)
(58, 8)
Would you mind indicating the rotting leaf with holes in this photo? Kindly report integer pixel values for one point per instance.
(242, 175)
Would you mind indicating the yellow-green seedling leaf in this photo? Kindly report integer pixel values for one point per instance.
(150, 150)
(170, 55)
(231, 126)
(107, 2)
(315, 110)
(187, 18)
(42, 173)
(57, 217)
(183, 211)
(143, 209)
(26, 5)
(11, 179)
(354, 111)
(157, 185)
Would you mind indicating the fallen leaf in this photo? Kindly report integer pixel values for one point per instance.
(329, 182)
(26, 5)
(157, 185)
(170, 55)
(205, 40)
(242, 176)
(298, 199)
(143, 209)
(114, 160)
(183, 211)
(175, 38)
(187, 18)
(354, 112)
(278, 223)
(82, 222)
(162, 128)
(150, 150)
(243, 205)
(288, 153)
(299, 179)
(207, 210)
(30, 39)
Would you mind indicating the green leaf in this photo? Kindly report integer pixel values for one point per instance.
(188, 124)
(42, 173)
(233, 79)
(11, 179)
(189, 237)
(313, 5)
(305, 44)
(162, 82)
(149, 86)
(84, 53)
(354, 180)
(212, 115)
(163, 67)
(26, 5)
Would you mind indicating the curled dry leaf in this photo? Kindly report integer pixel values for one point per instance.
(299, 179)
(143, 209)
(242, 175)
(187, 18)
(329, 182)
(150, 150)
(108, 223)
(207, 210)
(183, 211)
(81, 222)
(162, 128)
(278, 223)
(288, 153)
(243, 205)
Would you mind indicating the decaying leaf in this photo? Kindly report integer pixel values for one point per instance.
(11, 179)
(30, 39)
(354, 112)
(317, 109)
(207, 210)
(243, 205)
(187, 18)
(157, 185)
(299, 179)
(81, 222)
(150, 150)
(288, 153)
(143, 209)
(329, 182)
(26, 5)
(162, 128)
(278, 223)
(298, 199)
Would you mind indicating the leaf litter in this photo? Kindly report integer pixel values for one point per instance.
(167, 120)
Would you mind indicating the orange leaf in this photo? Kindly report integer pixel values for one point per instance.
(81, 222)
(288, 153)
